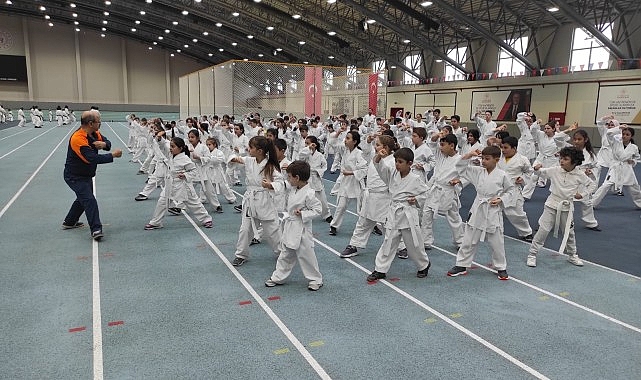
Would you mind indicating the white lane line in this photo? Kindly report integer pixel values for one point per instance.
(97, 316)
(532, 286)
(443, 317)
(548, 293)
(116, 134)
(13, 199)
(524, 242)
(42, 134)
(6, 137)
(290, 336)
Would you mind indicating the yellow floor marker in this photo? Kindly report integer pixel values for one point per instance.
(430, 320)
(456, 315)
(281, 351)
(564, 294)
(544, 298)
(317, 343)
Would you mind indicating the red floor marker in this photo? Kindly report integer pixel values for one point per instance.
(82, 258)
(116, 323)
(273, 298)
(371, 282)
(394, 279)
(474, 267)
(243, 303)
(77, 329)
(107, 255)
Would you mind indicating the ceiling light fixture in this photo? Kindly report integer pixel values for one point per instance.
(270, 28)
(143, 13)
(296, 16)
(133, 29)
(235, 14)
(426, 3)
(205, 33)
(167, 30)
(553, 9)
(250, 36)
(218, 24)
(107, 2)
(185, 13)
(72, 5)
(74, 15)
(331, 33)
(174, 22)
(105, 13)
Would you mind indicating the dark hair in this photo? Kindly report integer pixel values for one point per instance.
(194, 132)
(575, 155)
(420, 132)
(475, 133)
(389, 142)
(404, 154)
(511, 141)
(314, 140)
(299, 169)
(436, 110)
(387, 132)
(456, 117)
(449, 139)
(280, 144)
(490, 111)
(493, 151)
(240, 126)
(179, 142)
(631, 130)
(265, 144)
(588, 144)
(303, 127)
(502, 134)
(356, 137)
(205, 126)
(272, 131)
(448, 128)
(214, 141)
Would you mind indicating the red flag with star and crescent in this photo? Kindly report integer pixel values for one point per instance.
(373, 92)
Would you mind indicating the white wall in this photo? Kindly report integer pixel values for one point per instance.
(81, 67)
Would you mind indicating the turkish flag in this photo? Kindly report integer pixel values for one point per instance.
(373, 92)
(313, 90)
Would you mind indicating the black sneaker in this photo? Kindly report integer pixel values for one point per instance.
(97, 235)
(219, 210)
(619, 193)
(238, 261)
(595, 228)
(402, 254)
(423, 273)
(332, 231)
(457, 271)
(375, 276)
(254, 241)
(141, 197)
(502, 275)
(349, 251)
(66, 226)
(377, 231)
(238, 208)
(174, 210)
(527, 238)
(329, 219)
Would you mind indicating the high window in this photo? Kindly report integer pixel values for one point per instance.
(508, 65)
(458, 55)
(587, 52)
(414, 62)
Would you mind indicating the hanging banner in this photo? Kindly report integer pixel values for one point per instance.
(373, 92)
(622, 101)
(313, 90)
(504, 104)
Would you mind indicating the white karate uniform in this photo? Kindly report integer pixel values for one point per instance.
(351, 185)
(548, 148)
(403, 219)
(21, 118)
(376, 197)
(159, 173)
(318, 165)
(621, 172)
(181, 191)
(587, 208)
(297, 242)
(486, 128)
(424, 157)
(558, 211)
(443, 199)
(239, 146)
(485, 221)
(207, 187)
(517, 166)
(215, 174)
(526, 141)
(59, 117)
(258, 207)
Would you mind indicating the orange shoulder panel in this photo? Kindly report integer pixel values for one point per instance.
(77, 141)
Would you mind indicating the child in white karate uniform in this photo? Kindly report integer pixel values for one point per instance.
(258, 202)
(318, 164)
(199, 154)
(376, 197)
(518, 168)
(625, 155)
(213, 168)
(297, 242)
(179, 188)
(353, 169)
(408, 192)
(581, 141)
(568, 183)
(444, 195)
(493, 188)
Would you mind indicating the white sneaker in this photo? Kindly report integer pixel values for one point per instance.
(531, 260)
(574, 259)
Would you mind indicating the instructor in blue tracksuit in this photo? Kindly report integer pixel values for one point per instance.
(80, 168)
